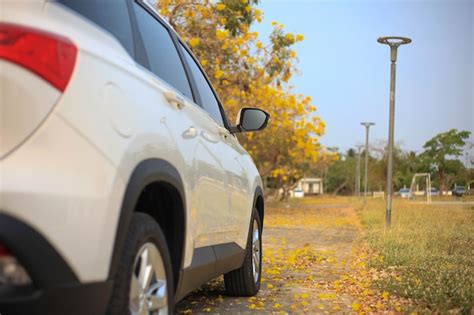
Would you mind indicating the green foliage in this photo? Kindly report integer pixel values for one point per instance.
(237, 14)
(445, 144)
(341, 176)
(441, 152)
(441, 158)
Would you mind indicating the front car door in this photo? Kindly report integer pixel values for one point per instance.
(224, 222)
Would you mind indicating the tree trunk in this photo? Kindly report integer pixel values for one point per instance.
(442, 181)
(340, 187)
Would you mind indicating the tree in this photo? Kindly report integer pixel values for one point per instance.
(441, 153)
(341, 172)
(248, 72)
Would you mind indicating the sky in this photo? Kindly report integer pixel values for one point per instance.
(347, 73)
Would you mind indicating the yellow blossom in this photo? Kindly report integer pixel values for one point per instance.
(289, 36)
(193, 42)
(220, 6)
(219, 74)
(222, 34)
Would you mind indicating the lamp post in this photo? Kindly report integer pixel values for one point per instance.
(366, 178)
(394, 42)
(357, 183)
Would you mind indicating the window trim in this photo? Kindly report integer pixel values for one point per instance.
(104, 29)
(139, 45)
(178, 42)
(219, 103)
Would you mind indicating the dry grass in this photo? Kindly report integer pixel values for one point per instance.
(428, 253)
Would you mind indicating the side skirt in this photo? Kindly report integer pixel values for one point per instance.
(209, 262)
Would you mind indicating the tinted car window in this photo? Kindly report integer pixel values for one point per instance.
(112, 15)
(208, 99)
(163, 57)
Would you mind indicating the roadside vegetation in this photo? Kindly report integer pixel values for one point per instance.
(445, 156)
(427, 255)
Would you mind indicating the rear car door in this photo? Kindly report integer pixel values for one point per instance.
(196, 135)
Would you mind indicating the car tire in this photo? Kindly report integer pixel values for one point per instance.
(144, 247)
(245, 281)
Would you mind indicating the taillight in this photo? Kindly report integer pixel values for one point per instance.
(3, 250)
(50, 56)
(11, 271)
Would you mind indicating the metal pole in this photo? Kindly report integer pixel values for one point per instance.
(366, 177)
(394, 42)
(388, 212)
(359, 148)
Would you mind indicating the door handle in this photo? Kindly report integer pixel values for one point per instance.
(190, 133)
(174, 99)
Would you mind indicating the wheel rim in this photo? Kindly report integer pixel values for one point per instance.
(256, 251)
(148, 287)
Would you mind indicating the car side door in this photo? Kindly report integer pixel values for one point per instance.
(187, 125)
(228, 221)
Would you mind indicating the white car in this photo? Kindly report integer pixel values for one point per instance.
(405, 193)
(298, 193)
(123, 186)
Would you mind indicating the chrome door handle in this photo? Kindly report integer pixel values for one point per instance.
(174, 99)
(190, 133)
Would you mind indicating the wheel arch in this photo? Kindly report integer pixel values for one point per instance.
(150, 175)
(259, 202)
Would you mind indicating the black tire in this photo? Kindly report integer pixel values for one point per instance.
(143, 229)
(241, 282)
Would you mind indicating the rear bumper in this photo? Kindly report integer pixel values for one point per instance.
(55, 289)
(74, 299)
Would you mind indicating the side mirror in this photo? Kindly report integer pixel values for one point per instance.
(251, 119)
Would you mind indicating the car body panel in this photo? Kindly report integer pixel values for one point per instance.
(68, 179)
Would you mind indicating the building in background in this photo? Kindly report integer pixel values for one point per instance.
(311, 186)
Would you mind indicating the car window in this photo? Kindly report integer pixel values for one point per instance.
(111, 15)
(208, 100)
(163, 57)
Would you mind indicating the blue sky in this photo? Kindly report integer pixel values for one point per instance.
(347, 72)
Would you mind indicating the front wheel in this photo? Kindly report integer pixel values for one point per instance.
(245, 281)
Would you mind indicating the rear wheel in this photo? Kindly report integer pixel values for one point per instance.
(143, 283)
(245, 281)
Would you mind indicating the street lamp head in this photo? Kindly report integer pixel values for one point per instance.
(394, 42)
(367, 124)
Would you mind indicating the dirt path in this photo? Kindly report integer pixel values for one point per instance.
(307, 250)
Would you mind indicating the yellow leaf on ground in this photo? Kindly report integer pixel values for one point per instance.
(355, 306)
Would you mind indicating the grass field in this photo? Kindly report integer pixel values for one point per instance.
(428, 254)
(327, 254)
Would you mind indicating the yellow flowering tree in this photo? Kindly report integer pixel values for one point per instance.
(248, 72)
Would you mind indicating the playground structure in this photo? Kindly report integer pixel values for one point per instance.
(428, 184)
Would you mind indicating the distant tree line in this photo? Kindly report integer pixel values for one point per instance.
(445, 157)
